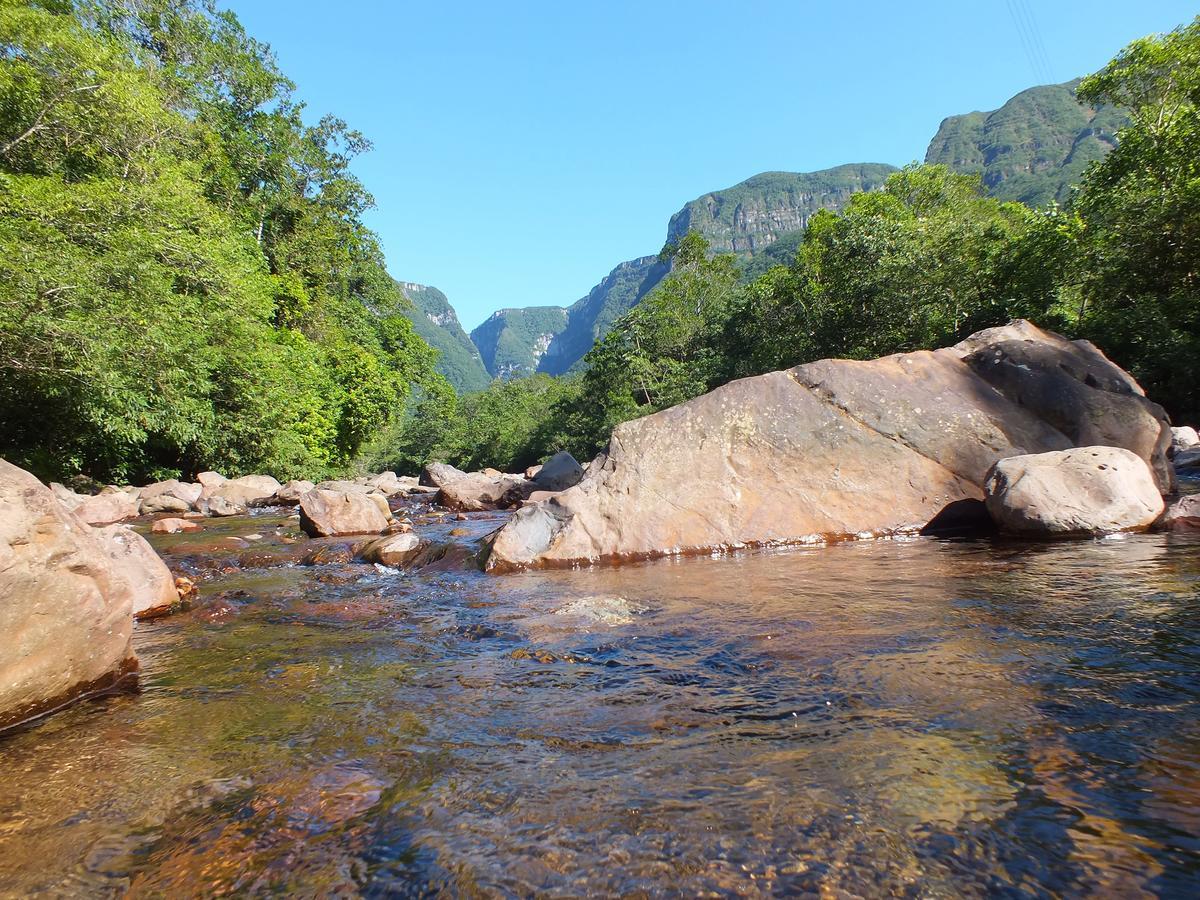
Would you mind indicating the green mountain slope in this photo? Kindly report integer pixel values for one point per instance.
(513, 341)
(435, 321)
(750, 216)
(590, 317)
(1033, 148)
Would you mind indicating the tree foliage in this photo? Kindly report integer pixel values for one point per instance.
(185, 277)
(1139, 256)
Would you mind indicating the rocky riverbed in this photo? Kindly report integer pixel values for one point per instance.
(888, 717)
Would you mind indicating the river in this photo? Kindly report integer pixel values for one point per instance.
(915, 717)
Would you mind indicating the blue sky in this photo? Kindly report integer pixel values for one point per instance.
(522, 149)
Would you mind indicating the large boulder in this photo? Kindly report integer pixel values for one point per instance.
(393, 550)
(477, 492)
(107, 507)
(153, 585)
(438, 474)
(390, 483)
(249, 490)
(837, 449)
(211, 479)
(1082, 491)
(169, 496)
(1075, 388)
(345, 487)
(219, 506)
(1184, 437)
(66, 609)
(327, 513)
(290, 492)
(559, 472)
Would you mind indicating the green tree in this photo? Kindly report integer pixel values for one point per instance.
(1140, 206)
(185, 277)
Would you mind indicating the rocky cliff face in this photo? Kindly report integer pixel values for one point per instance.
(512, 342)
(435, 321)
(1033, 148)
(590, 317)
(752, 215)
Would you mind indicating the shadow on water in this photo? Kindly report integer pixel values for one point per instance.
(913, 717)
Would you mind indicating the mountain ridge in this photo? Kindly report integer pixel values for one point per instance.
(1032, 149)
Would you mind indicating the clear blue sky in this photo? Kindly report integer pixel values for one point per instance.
(522, 149)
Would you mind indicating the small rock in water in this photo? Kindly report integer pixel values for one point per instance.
(329, 555)
(174, 526)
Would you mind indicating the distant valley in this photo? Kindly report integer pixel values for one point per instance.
(1033, 149)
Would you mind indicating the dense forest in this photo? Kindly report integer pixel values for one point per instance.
(185, 278)
(187, 281)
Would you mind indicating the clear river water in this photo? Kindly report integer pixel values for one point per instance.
(913, 718)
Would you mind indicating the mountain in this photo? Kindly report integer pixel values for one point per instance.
(743, 219)
(1033, 148)
(752, 215)
(434, 320)
(589, 318)
(513, 341)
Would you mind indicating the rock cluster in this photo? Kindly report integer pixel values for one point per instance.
(838, 449)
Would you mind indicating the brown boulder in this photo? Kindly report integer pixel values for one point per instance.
(174, 526)
(393, 550)
(108, 507)
(1183, 514)
(249, 490)
(154, 592)
(169, 496)
(290, 492)
(1081, 491)
(65, 607)
(327, 513)
(835, 449)
(476, 492)
(437, 474)
(219, 506)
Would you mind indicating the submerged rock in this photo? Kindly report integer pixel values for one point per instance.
(328, 513)
(66, 609)
(1082, 491)
(837, 449)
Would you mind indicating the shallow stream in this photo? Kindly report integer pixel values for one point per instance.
(903, 718)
